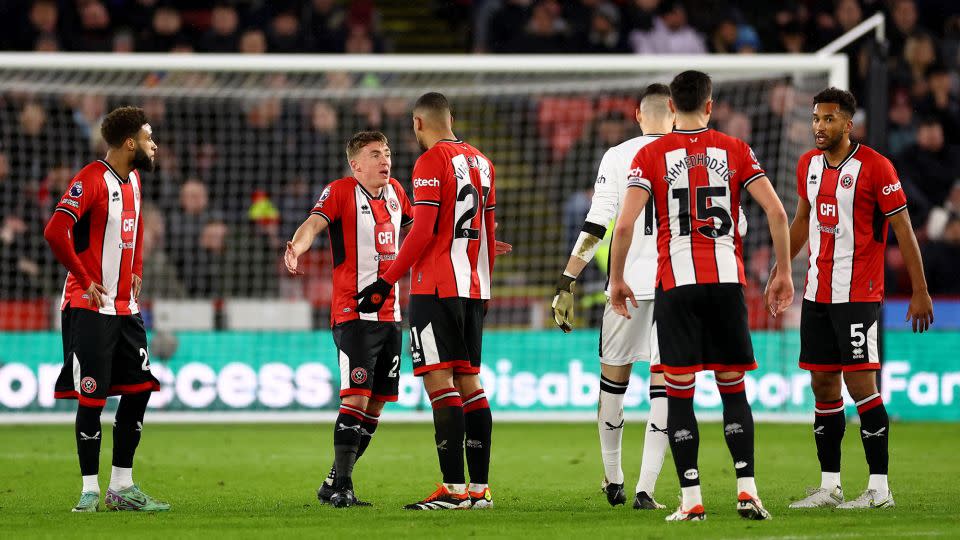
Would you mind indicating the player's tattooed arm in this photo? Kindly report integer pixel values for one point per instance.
(302, 240)
(920, 311)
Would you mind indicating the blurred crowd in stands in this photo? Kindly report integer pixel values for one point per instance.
(236, 177)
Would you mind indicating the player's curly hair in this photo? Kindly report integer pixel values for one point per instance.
(121, 124)
(842, 98)
(363, 138)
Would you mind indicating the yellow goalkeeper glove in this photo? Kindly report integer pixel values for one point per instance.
(563, 303)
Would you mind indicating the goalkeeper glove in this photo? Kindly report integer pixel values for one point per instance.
(373, 296)
(563, 303)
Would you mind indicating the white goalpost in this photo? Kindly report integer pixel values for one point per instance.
(248, 142)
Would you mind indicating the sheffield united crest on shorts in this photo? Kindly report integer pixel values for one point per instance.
(846, 181)
(358, 375)
(88, 385)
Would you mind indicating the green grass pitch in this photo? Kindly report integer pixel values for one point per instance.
(259, 481)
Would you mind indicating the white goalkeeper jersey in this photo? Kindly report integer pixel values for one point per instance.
(640, 272)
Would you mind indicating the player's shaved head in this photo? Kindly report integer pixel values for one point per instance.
(654, 102)
(433, 108)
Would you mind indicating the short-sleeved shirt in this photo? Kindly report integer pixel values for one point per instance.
(364, 237)
(106, 210)
(696, 178)
(849, 207)
(459, 180)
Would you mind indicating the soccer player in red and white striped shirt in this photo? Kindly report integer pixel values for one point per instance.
(848, 194)
(363, 214)
(695, 176)
(451, 249)
(95, 232)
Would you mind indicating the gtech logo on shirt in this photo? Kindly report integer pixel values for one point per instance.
(426, 182)
(891, 188)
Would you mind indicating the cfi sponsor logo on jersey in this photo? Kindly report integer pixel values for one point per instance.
(846, 181)
(891, 188)
(425, 182)
(76, 190)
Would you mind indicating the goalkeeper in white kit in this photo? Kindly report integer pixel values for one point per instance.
(625, 341)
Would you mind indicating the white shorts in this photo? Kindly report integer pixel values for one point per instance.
(625, 341)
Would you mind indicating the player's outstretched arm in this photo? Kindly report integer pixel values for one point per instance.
(302, 240)
(633, 203)
(781, 285)
(799, 233)
(920, 311)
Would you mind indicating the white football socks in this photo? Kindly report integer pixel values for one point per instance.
(829, 480)
(121, 478)
(878, 483)
(91, 483)
(655, 444)
(691, 498)
(610, 425)
(747, 485)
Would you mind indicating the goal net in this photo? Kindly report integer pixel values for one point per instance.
(247, 144)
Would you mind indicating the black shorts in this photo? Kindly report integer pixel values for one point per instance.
(445, 333)
(703, 327)
(835, 337)
(369, 357)
(103, 355)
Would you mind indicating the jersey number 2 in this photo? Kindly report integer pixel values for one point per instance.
(462, 229)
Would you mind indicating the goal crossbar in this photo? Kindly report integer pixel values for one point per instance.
(836, 65)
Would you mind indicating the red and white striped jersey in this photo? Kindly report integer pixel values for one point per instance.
(364, 235)
(695, 178)
(459, 180)
(106, 212)
(849, 207)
